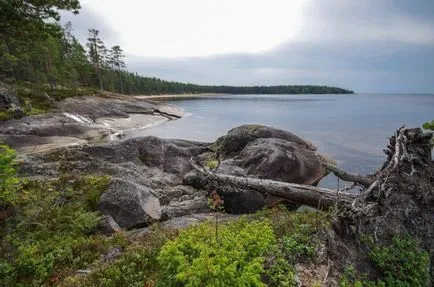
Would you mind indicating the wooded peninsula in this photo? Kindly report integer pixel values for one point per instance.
(47, 53)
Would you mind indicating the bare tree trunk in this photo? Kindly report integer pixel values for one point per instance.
(316, 197)
(98, 73)
(121, 81)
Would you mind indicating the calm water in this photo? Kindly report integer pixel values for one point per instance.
(352, 129)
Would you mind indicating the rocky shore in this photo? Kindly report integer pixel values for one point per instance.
(81, 120)
(152, 179)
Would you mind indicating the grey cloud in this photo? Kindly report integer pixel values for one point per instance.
(87, 19)
(352, 44)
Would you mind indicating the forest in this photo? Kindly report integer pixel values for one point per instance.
(46, 53)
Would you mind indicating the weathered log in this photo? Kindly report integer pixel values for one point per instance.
(316, 197)
(346, 176)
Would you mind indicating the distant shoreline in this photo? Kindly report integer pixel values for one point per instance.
(177, 96)
(203, 95)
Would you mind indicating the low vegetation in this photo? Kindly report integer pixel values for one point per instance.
(400, 263)
(50, 232)
(48, 238)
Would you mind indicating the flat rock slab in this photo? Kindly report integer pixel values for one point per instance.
(83, 119)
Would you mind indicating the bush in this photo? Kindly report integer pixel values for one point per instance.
(195, 258)
(402, 263)
(49, 235)
(137, 265)
(9, 182)
(299, 235)
(429, 125)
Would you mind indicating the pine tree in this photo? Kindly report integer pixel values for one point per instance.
(97, 50)
(117, 61)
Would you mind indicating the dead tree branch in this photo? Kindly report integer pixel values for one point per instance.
(346, 176)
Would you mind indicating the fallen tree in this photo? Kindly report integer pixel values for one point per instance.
(397, 199)
(316, 197)
(409, 157)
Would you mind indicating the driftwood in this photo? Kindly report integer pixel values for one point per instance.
(316, 197)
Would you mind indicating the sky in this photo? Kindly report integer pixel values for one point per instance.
(375, 46)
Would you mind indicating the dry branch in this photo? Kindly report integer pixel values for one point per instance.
(346, 176)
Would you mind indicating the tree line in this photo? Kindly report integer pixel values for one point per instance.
(36, 48)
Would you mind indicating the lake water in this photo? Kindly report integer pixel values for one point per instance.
(352, 129)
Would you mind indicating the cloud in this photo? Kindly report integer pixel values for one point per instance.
(87, 19)
(368, 46)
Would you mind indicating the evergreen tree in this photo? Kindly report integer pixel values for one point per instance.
(97, 52)
(117, 61)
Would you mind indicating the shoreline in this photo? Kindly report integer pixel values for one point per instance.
(176, 96)
(85, 120)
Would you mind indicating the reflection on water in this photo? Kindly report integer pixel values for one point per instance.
(352, 129)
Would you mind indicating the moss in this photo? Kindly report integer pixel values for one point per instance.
(252, 128)
(6, 115)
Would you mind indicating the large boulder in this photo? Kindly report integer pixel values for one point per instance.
(237, 138)
(277, 159)
(266, 153)
(129, 204)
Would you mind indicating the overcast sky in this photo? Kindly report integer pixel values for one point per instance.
(365, 45)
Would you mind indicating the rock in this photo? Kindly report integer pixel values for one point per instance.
(8, 98)
(152, 178)
(266, 153)
(185, 221)
(108, 226)
(9, 102)
(192, 178)
(84, 118)
(243, 201)
(192, 206)
(237, 138)
(277, 159)
(129, 204)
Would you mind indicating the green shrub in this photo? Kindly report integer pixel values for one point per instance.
(429, 125)
(212, 164)
(50, 234)
(299, 236)
(7, 115)
(9, 182)
(136, 266)
(279, 272)
(195, 258)
(402, 263)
